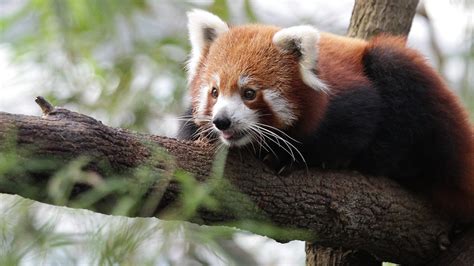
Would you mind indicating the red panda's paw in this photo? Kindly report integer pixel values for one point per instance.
(460, 227)
(277, 166)
(271, 162)
(285, 170)
(341, 164)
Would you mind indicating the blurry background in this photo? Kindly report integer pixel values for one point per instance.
(122, 62)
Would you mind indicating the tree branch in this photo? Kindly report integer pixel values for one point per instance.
(338, 209)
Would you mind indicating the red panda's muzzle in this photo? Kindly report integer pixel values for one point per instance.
(223, 123)
(233, 121)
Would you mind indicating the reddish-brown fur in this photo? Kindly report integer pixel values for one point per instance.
(340, 67)
(340, 61)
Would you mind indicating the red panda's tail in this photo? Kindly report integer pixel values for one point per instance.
(432, 115)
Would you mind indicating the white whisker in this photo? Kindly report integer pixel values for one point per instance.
(263, 142)
(278, 130)
(276, 139)
(286, 142)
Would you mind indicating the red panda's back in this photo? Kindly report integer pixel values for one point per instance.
(423, 137)
(340, 62)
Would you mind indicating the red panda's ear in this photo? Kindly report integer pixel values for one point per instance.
(303, 42)
(204, 28)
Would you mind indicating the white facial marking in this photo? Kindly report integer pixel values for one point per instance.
(203, 96)
(280, 106)
(235, 108)
(243, 81)
(216, 79)
(202, 25)
(305, 39)
(240, 115)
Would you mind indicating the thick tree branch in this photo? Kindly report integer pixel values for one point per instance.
(343, 209)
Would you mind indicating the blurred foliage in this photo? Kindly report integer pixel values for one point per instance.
(32, 232)
(26, 238)
(467, 83)
(122, 61)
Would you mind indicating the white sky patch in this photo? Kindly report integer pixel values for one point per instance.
(450, 23)
(323, 13)
(269, 252)
(7, 8)
(162, 87)
(172, 125)
(243, 81)
(19, 84)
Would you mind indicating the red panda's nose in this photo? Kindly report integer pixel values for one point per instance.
(222, 123)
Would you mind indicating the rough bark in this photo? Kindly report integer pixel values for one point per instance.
(335, 209)
(372, 17)
(317, 255)
(461, 253)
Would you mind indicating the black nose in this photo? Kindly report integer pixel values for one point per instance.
(222, 123)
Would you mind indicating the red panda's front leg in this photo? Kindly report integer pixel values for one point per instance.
(188, 130)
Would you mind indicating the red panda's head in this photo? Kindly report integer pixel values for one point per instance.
(250, 80)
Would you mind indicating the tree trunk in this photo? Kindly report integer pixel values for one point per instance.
(369, 18)
(372, 17)
(334, 209)
(317, 255)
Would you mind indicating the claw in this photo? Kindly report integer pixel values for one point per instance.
(285, 170)
(275, 165)
(271, 161)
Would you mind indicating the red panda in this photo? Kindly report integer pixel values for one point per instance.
(330, 101)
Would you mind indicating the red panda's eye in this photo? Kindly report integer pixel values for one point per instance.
(214, 92)
(249, 94)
